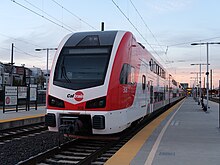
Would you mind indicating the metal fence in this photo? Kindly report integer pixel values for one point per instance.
(16, 98)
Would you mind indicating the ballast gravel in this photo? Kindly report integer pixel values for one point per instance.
(19, 149)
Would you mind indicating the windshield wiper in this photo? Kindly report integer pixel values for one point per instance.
(63, 72)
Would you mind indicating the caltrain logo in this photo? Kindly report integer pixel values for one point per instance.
(78, 96)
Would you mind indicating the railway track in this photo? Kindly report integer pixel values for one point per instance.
(10, 134)
(217, 100)
(78, 151)
(89, 152)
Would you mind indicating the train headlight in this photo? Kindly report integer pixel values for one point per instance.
(96, 103)
(55, 102)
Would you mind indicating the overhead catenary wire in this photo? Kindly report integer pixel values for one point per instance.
(20, 40)
(22, 51)
(189, 42)
(48, 19)
(70, 28)
(169, 45)
(5, 49)
(145, 24)
(80, 19)
(18, 50)
(137, 30)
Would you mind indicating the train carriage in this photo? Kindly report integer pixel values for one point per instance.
(101, 82)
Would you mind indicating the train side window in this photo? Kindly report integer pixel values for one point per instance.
(131, 79)
(127, 75)
(163, 74)
(161, 96)
(124, 74)
(167, 88)
(157, 69)
(151, 94)
(143, 82)
(158, 72)
(151, 64)
(154, 67)
(156, 97)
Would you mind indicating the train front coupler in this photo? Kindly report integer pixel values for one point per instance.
(70, 125)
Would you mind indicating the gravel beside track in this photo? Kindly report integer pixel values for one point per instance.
(16, 150)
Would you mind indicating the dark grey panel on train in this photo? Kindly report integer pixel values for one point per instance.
(102, 38)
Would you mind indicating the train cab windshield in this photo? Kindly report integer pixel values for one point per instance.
(80, 68)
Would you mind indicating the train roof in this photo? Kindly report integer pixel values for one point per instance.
(92, 38)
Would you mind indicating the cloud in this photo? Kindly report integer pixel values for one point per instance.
(170, 5)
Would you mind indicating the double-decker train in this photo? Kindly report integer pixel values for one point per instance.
(101, 82)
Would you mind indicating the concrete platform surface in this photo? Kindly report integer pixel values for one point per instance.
(11, 119)
(187, 136)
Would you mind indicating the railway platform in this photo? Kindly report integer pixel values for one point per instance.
(12, 119)
(183, 135)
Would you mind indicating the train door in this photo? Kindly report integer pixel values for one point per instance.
(151, 106)
(144, 92)
(143, 88)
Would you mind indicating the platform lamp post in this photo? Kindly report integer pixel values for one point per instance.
(194, 85)
(47, 49)
(197, 80)
(200, 80)
(207, 70)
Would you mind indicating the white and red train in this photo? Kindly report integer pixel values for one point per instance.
(101, 82)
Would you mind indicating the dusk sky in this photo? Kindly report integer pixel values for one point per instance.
(166, 28)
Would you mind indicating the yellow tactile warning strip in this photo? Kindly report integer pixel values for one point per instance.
(127, 153)
(21, 118)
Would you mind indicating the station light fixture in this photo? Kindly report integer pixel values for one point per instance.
(47, 49)
(207, 66)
